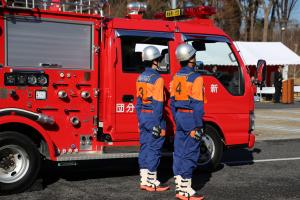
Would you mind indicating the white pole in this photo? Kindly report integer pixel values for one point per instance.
(173, 4)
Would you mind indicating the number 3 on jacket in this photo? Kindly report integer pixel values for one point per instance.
(142, 92)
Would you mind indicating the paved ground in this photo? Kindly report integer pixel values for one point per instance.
(244, 174)
(270, 171)
(277, 121)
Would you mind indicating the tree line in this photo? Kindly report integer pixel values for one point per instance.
(243, 20)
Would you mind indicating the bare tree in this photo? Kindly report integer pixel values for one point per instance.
(267, 8)
(248, 9)
(231, 16)
(273, 20)
(284, 11)
(118, 8)
(253, 9)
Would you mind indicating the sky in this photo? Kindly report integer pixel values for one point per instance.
(296, 12)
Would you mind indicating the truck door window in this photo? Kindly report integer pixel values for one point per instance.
(33, 42)
(217, 59)
(132, 48)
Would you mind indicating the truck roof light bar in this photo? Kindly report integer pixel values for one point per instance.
(200, 11)
(187, 12)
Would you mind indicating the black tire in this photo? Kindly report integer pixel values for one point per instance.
(206, 161)
(26, 155)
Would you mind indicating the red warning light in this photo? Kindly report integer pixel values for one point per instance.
(201, 11)
(185, 13)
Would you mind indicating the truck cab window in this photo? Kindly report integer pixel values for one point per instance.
(216, 58)
(132, 48)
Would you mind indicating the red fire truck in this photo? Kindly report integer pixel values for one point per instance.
(67, 89)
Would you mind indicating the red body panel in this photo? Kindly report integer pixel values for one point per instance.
(229, 113)
(39, 128)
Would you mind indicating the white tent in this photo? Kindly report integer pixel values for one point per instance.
(275, 53)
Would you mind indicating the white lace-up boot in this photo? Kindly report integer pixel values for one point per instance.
(187, 192)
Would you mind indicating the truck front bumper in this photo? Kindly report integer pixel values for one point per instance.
(251, 140)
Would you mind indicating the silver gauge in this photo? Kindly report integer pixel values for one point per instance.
(42, 80)
(32, 80)
(21, 79)
(10, 80)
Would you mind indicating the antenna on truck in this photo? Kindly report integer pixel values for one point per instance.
(102, 5)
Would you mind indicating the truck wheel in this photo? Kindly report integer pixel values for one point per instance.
(211, 149)
(19, 162)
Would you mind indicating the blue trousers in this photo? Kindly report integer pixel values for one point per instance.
(150, 150)
(186, 148)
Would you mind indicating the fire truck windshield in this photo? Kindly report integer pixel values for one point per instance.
(218, 59)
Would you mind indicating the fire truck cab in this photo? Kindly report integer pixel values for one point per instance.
(67, 84)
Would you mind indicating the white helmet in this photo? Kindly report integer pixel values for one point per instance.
(150, 53)
(184, 52)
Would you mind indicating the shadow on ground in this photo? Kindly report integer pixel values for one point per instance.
(97, 169)
(238, 157)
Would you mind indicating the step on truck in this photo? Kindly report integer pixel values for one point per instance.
(67, 83)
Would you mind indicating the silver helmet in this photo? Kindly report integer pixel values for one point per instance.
(150, 53)
(184, 52)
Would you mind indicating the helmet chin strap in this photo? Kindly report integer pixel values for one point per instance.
(194, 62)
(155, 64)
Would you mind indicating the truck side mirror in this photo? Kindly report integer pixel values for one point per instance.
(261, 71)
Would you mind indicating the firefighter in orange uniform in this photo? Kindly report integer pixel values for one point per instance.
(187, 108)
(150, 99)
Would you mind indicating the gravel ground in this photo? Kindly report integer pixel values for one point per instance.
(277, 121)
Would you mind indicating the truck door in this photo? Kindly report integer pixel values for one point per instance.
(225, 85)
(128, 68)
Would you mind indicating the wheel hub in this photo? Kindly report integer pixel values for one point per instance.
(14, 163)
(8, 163)
(207, 150)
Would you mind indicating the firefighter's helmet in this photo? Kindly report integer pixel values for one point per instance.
(184, 52)
(150, 53)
